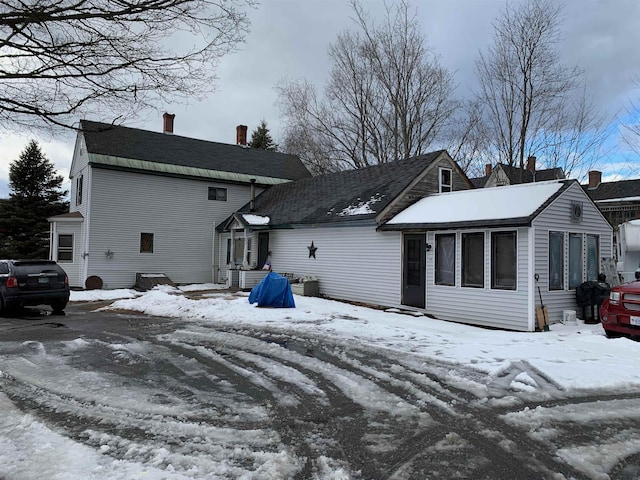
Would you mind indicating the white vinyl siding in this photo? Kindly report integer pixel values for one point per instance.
(73, 268)
(65, 248)
(352, 263)
(176, 210)
(481, 306)
(557, 218)
(79, 168)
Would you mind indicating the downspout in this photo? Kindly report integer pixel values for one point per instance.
(52, 239)
(252, 203)
(214, 278)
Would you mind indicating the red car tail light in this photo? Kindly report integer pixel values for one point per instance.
(66, 279)
(12, 282)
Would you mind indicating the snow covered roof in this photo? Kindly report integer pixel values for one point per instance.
(252, 219)
(508, 205)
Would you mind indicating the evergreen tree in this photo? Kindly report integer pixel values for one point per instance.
(35, 195)
(261, 138)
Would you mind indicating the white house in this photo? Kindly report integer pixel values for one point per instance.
(412, 234)
(149, 202)
(485, 247)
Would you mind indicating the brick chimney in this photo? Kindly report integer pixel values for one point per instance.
(531, 164)
(241, 135)
(595, 178)
(167, 126)
(487, 169)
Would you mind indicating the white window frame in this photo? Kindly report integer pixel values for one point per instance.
(64, 249)
(443, 187)
(563, 283)
(580, 261)
(216, 197)
(464, 282)
(79, 188)
(494, 284)
(440, 276)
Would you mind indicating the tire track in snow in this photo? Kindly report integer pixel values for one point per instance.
(456, 434)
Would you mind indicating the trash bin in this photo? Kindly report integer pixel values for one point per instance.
(592, 294)
(600, 292)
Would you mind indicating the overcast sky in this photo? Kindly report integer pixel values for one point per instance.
(289, 39)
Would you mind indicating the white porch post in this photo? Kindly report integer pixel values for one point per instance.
(245, 254)
(232, 256)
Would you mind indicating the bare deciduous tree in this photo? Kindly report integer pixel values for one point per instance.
(535, 105)
(62, 58)
(468, 139)
(387, 97)
(630, 131)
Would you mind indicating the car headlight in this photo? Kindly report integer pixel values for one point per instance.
(614, 298)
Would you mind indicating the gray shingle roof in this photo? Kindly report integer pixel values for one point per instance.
(332, 199)
(614, 190)
(136, 144)
(513, 173)
(527, 176)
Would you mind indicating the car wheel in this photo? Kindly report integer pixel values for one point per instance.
(58, 306)
(612, 334)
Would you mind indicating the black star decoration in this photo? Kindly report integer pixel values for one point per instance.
(312, 250)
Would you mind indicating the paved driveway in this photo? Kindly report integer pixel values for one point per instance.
(149, 397)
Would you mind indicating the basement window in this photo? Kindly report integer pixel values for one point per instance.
(146, 243)
(217, 193)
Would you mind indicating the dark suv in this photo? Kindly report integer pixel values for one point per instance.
(33, 282)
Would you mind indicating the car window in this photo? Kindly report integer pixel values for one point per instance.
(4, 268)
(35, 267)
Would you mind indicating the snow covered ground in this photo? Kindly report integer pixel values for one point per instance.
(528, 395)
(577, 356)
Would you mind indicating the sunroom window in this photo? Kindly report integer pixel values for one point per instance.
(504, 260)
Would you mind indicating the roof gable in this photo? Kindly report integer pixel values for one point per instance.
(135, 149)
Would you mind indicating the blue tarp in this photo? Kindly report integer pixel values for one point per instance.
(273, 291)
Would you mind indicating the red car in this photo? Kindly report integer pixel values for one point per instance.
(620, 313)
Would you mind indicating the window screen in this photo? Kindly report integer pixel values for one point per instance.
(65, 248)
(593, 256)
(146, 243)
(556, 260)
(473, 259)
(445, 259)
(575, 259)
(216, 193)
(504, 264)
